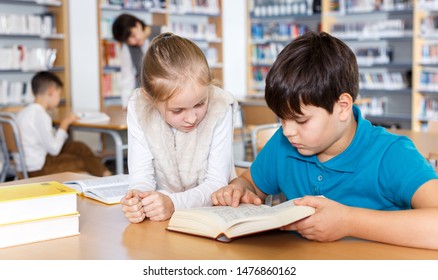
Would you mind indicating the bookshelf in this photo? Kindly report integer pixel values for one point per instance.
(199, 21)
(33, 37)
(381, 35)
(425, 65)
(271, 26)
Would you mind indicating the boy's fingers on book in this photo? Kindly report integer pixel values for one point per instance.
(312, 201)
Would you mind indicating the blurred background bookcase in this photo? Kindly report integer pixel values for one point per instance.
(197, 20)
(425, 64)
(33, 37)
(272, 24)
(395, 43)
(381, 35)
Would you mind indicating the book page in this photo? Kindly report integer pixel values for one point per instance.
(99, 182)
(112, 194)
(228, 214)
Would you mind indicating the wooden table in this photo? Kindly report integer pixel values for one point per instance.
(106, 234)
(113, 128)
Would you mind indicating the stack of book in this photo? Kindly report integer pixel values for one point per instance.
(36, 212)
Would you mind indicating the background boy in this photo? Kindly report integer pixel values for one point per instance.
(45, 150)
(376, 185)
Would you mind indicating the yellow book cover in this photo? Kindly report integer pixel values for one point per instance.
(36, 201)
(33, 190)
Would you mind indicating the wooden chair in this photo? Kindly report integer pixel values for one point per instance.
(254, 113)
(432, 126)
(11, 144)
(433, 159)
(260, 135)
(241, 166)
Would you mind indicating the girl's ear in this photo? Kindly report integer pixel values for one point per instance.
(345, 106)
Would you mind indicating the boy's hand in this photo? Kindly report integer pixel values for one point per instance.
(157, 206)
(234, 195)
(132, 207)
(67, 121)
(329, 223)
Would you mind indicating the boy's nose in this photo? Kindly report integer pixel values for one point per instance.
(289, 129)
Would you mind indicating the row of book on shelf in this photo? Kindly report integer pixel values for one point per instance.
(429, 53)
(15, 92)
(383, 80)
(276, 31)
(272, 8)
(429, 25)
(374, 106)
(21, 57)
(210, 7)
(429, 108)
(388, 28)
(429, 80)
(363, 6)
(134, 4)
(191, 30)
(30, 24)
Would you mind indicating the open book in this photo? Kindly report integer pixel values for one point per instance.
(92, 117)
(225, 223)
(109, 190)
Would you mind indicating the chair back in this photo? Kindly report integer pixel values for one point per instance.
(261, 134)
(11, 144)
(253, 115)
(432, 126)
(254, 112)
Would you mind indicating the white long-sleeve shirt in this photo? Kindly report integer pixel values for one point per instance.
(220, 163)
(38, 136)
(128, 72)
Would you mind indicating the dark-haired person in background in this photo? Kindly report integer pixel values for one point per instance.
(135, 36)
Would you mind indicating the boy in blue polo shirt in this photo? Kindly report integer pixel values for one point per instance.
(375, 185)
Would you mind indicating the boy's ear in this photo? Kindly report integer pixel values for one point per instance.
(345, 104)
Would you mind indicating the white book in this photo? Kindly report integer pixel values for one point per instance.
(224, 223)
(109, 190)
(92, 117)
(34, 201)
(38, 230)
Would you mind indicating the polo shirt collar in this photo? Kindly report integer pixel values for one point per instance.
(348, 159)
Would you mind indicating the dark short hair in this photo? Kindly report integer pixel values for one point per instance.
(42, 80)
(314, 69)
(122, 26)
